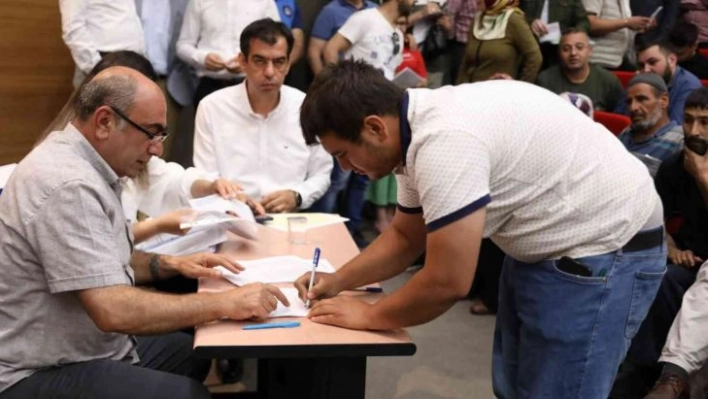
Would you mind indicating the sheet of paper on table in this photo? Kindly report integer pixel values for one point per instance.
(297, 306)
(276, 269)
(280, 220)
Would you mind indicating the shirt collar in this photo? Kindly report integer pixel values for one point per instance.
(404, 128)
(76, 139)
(244, 97)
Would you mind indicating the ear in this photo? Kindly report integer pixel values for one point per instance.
(664, 101)
(673, 59)
(104, 122)
(375, 128)
(241, 59)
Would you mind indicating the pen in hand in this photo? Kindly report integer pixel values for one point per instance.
(315, 261)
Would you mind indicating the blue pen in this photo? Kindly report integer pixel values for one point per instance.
(315, 262)
(280, 324)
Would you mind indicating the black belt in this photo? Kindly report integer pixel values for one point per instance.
(645, 240)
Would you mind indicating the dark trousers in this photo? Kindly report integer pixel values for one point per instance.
(207, 86)
(486, 278)
(640, 368)
(457, 53)
(167, 369)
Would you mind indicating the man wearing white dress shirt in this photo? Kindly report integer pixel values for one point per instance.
(250, 133)
(209, 40)
(92, 27)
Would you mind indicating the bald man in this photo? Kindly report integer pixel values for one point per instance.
(70, 308)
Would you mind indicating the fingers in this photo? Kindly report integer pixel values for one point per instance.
(227, 188)
(301, 285)
(277, 293)
(324, 312)
(256, 207)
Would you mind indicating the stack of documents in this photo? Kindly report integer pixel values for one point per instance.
(214, 216)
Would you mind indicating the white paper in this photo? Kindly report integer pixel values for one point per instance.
(192, 242)
(297, 306)
(554, 34)
(420, 31)
(408, 78)
(277, 269)
(656, 12)
(212, 210)
(280, 220)
(5, 172)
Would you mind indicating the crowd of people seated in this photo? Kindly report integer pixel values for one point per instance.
(230, 59)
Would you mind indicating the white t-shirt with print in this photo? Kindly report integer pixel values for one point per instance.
(553, 181)
(374, 40)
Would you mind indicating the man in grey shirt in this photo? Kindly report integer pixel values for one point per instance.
(70, 310)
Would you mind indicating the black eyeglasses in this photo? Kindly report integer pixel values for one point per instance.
(697, 144)
(154, 137)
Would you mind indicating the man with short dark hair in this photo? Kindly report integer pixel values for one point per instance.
(652, 137)
(577, 215)
(658, 57)
(684, 38)
(250, 132)
(70, 308)
(576, 74)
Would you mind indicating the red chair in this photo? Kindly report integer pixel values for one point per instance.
(613, 122)
(703, 51)
(624, 77)
(705, 82)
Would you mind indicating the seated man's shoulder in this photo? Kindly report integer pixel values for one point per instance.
(227, 95)
(292, 95)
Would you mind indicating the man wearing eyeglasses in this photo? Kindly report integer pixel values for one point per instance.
(682, 184)
(250, 133)
(74, 324)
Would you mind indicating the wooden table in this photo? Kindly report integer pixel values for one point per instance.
(310, 361)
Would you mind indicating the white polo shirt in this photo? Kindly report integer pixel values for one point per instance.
(554, 182)
(262, 154)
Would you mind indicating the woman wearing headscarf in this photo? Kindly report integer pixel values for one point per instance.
(500, 41)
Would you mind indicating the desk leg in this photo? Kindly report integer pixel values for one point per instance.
(312, 378)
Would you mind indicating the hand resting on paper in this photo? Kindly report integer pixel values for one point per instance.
(343, 311)
(252, 301)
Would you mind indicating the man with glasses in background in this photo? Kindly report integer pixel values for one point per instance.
(250, 132)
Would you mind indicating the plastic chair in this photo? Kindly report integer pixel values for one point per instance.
(613, 122)
(624, 77)
(703, 51)
(705, 82)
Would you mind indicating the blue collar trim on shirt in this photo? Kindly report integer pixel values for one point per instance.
(404, 128)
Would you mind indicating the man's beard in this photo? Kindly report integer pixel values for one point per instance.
(667, 73)
(645, 125)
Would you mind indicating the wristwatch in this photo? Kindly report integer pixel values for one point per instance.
(298, 199)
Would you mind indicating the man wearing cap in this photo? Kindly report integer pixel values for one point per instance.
(652, 137)
(682, 184)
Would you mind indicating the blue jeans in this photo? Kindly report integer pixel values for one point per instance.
(355, 186)
(564, 336)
